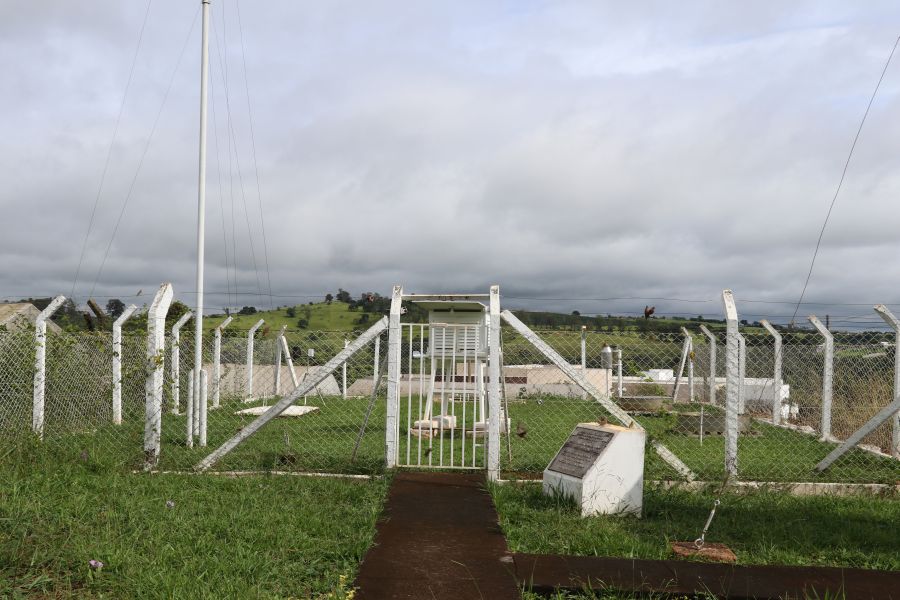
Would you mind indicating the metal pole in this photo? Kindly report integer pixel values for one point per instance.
(732, 383)
(201, 203)
(583, 354)
(712, 364)
(217, 361)
(344, 373)
(776, 376)
(619, 367)
(827, 377)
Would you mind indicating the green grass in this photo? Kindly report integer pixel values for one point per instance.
(247, 537)
(760, 527)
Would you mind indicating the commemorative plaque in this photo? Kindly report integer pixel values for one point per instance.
(601, 467)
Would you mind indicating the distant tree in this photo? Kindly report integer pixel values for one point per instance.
(115, 308)
(328, 298)
(363, 319)
(302, 323)
(291, 312)
(247, 310)
(575, 313)
(344, 296)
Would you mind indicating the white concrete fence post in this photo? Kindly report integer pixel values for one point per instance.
(203, 406)
(175, 367)
(712, 364)
(584, 355)
(217, 362)
(190, 423)
(248, 394)
(776, 374)
(494, 374)
(686, 349)
(827, 378)
(732, 382)
(156, 341)
(619, 368)
(289, 360)
(117, 363)
(392, 422)
(276, 386)
(40, 365)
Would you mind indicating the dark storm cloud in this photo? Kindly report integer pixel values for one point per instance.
(563, 150)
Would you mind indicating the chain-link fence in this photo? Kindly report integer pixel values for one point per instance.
(668, 384)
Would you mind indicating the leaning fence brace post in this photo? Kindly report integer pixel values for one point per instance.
(248, 395)
(689, 356)
(891, 410)
(176, 364)
(712, 364)
(891, 320)
(827, 377)
(732, 382)
(392, 422)
(309, 383)
(494, 374)
(377, 357)
(117, 363)
(277, 383)
(190, 413)
(289, 360)
(203, 406)
(776, 375)
(153, 389)
(217, 360)
(40, 364)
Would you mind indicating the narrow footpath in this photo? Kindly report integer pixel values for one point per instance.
(438, 539)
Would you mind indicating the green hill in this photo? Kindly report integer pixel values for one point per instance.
(322, 316)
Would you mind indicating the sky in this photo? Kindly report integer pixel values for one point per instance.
(591, 156)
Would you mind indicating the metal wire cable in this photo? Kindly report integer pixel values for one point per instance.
(843, 175)
(112, 142)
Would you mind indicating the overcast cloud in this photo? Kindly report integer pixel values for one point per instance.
(562, 150)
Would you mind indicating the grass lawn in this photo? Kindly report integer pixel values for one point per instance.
(248, 537)
(761, 527)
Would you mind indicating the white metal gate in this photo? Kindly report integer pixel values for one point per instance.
(443, 395)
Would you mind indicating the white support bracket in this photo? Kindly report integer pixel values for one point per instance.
(153, 388)
(610, 406)
(175, 367)
(117, 363)
(732, 382)
(40, 364)
(712, 364)
(494, 374)
(248, 395)
(309, 383)
(891, 410)
(392, 421)
(217, 361)
(827, 378)
(776, 374)
(277, 379)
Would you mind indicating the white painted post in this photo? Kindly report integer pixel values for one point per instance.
(117, 363)
(344, 374)
(494, 374)
(690, 361)
(190, 423)
(248, 396)
(277, 383)
(619, 367)
(679, 374)
(776, 375)
(203, 406)
(584, 354)
(827, 377)
(392, 422)
(891, 320)
(290, 361)
(742, 369)
(156, 339)
(217, 361)
(732, 382)
(40, 364)
(176, 364)
(712, 363)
